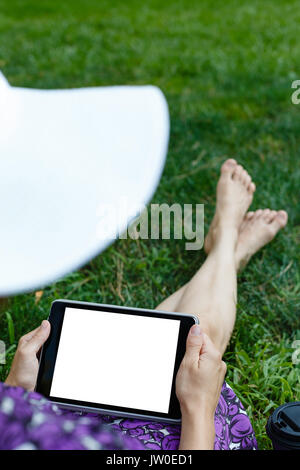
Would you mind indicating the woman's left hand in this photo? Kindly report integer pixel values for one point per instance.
(25, 366)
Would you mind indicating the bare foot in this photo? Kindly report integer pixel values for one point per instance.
(234, 196)
(257, 229)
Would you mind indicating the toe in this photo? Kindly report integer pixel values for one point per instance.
(278, 222)
(272, 216)
(250, 215)
(251, 187)
(245, 178)
(282, 218)
(258, 214)
(238, 173)
(266, 215)
(229, 166)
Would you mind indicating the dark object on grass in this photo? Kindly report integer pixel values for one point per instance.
(283, 427)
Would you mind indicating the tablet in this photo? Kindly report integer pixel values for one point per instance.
(114, 360)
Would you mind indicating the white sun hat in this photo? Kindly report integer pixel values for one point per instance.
(64, 156)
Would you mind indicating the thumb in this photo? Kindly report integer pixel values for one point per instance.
(41, 335)
(194, 343)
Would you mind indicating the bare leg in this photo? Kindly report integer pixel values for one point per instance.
(211, 294)
(257, 229)
(232, 240)
(170, 303)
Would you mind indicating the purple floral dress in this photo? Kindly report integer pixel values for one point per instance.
(29, 421)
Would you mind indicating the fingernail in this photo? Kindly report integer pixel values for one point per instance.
(195, 330)
(44, 324)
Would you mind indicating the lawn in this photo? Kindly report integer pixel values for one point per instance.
(226, 69)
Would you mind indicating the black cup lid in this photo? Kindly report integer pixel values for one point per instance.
(284, 423)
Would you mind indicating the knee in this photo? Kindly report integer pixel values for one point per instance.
(215, 333)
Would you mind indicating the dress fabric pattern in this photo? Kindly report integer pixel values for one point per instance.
(232, 425)
(30, 421)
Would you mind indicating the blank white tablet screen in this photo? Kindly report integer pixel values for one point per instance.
(116, 359)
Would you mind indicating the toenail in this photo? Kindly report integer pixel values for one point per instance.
(282, 215)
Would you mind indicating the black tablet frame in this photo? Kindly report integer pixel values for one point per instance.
(50, 349)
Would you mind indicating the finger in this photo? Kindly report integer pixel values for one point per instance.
(40, 336)
(28, 336)
(209, 349)
(194, 344)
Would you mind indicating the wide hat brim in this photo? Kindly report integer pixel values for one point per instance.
(64, 155)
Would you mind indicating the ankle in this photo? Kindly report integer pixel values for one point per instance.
(225, 234)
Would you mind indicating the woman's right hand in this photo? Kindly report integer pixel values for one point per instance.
(25, 366)
(198, 387)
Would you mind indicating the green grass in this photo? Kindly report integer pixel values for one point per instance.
(226, 69)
